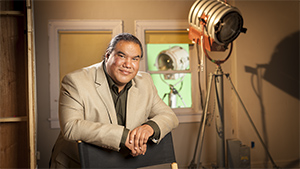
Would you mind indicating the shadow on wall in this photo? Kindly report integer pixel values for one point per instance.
(282, 72)
(283, 69)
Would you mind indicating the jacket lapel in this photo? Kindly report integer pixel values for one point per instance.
(132, 100)
(105, 95)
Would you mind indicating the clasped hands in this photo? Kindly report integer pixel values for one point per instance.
(137, 139)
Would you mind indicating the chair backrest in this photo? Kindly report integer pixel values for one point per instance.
(92, 156)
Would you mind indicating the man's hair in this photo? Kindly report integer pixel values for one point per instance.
(123, 37)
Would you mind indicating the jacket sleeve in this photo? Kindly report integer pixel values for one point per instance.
(72, 119)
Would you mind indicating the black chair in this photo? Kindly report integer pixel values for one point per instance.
(92, 156)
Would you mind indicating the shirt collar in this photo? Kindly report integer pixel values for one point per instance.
(112, 84)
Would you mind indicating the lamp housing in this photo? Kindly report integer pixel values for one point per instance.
(218, 23)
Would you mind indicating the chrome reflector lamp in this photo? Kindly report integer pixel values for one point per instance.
(174, 58)
(214, 25)
(218, 22)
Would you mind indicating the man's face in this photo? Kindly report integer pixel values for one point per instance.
(122, 64)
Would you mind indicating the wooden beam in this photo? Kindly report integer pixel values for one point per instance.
(13, 119)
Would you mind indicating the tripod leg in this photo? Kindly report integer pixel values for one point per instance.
(202, 128)
(262, 142)
(219, 117)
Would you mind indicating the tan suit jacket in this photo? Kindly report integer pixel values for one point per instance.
(87, 112)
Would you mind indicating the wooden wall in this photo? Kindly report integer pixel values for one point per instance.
(14, 147)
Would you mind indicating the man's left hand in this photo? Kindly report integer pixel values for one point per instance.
(139, 137)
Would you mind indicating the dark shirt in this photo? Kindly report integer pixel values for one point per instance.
(120, 99)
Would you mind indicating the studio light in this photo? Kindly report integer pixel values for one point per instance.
(218, 23)
(175, 58)
(215, 24)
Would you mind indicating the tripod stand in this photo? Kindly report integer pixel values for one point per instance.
(173, 92)
(219, 120)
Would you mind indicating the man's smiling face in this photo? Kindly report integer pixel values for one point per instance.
(122, 64)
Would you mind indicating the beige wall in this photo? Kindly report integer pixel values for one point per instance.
(274, 110)
(271, 47)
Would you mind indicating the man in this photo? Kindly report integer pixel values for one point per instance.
(112, 105)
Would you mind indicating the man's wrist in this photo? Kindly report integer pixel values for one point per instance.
(156, 133)
(124, 137)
